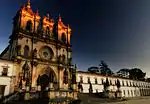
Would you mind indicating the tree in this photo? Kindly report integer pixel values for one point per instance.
(104, 69)
(93, 69)
(136, 74)
(148, 79)
(123, 72)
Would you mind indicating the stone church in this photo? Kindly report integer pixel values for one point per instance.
(41, 51)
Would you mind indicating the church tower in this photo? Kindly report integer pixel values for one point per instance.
(42, 51)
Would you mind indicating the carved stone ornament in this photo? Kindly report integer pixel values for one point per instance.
(35, 53)
(18, 50)
(19, 61)
(34, 63)
(35, 41)
(46, 53)
(20, 36)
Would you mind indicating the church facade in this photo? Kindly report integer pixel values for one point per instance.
(41, 51)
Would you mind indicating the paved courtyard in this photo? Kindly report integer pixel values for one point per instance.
(137, 100)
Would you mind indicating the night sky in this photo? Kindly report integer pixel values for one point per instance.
(116, 31)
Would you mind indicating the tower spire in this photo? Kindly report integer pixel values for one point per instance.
(59, 18)
(28, 5)
(48, 15)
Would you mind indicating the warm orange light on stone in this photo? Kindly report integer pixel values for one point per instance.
(47, 22)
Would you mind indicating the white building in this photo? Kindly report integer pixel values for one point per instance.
(128, 88)
(7, 74)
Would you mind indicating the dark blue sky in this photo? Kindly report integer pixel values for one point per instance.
(116, 31)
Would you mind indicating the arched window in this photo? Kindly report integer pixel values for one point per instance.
(47, 30)
(29, 26)
(65, 76)
(26, 51)
(63, 37)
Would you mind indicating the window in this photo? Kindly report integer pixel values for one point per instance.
(29, 26)
(128, 92)
(63, 37)
(47, 30)
(89, 80)
(130, 83)
(95, 80)
(127, 83)
(5, 71)
(81, 79)
(110, 82)
(122, 83)
(26, 51)
(131, 93)
(124, 92)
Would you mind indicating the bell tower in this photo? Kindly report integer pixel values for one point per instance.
(24, 23)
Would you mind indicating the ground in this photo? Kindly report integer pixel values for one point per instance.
(136, 100)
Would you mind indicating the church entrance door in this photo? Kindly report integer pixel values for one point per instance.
(44, 81)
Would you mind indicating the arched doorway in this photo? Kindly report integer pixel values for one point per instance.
(44, 81)
(47, 76)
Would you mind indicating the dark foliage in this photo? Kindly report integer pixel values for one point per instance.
(93, 69)
(104, 69)
(123, 72)
(137, 74)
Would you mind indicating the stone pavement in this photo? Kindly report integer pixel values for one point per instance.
(87, 99)
(137, 100)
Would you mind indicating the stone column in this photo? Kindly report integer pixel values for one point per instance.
(60, 79)
(27, 94)
(74, 86)
(38, 88)
(51, 86)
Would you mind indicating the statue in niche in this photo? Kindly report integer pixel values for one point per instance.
(70, 61)
(18, 50)
(73, 76)
(65, 76)
(35, 53)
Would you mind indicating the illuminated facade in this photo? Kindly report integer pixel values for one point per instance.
(41, 50)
